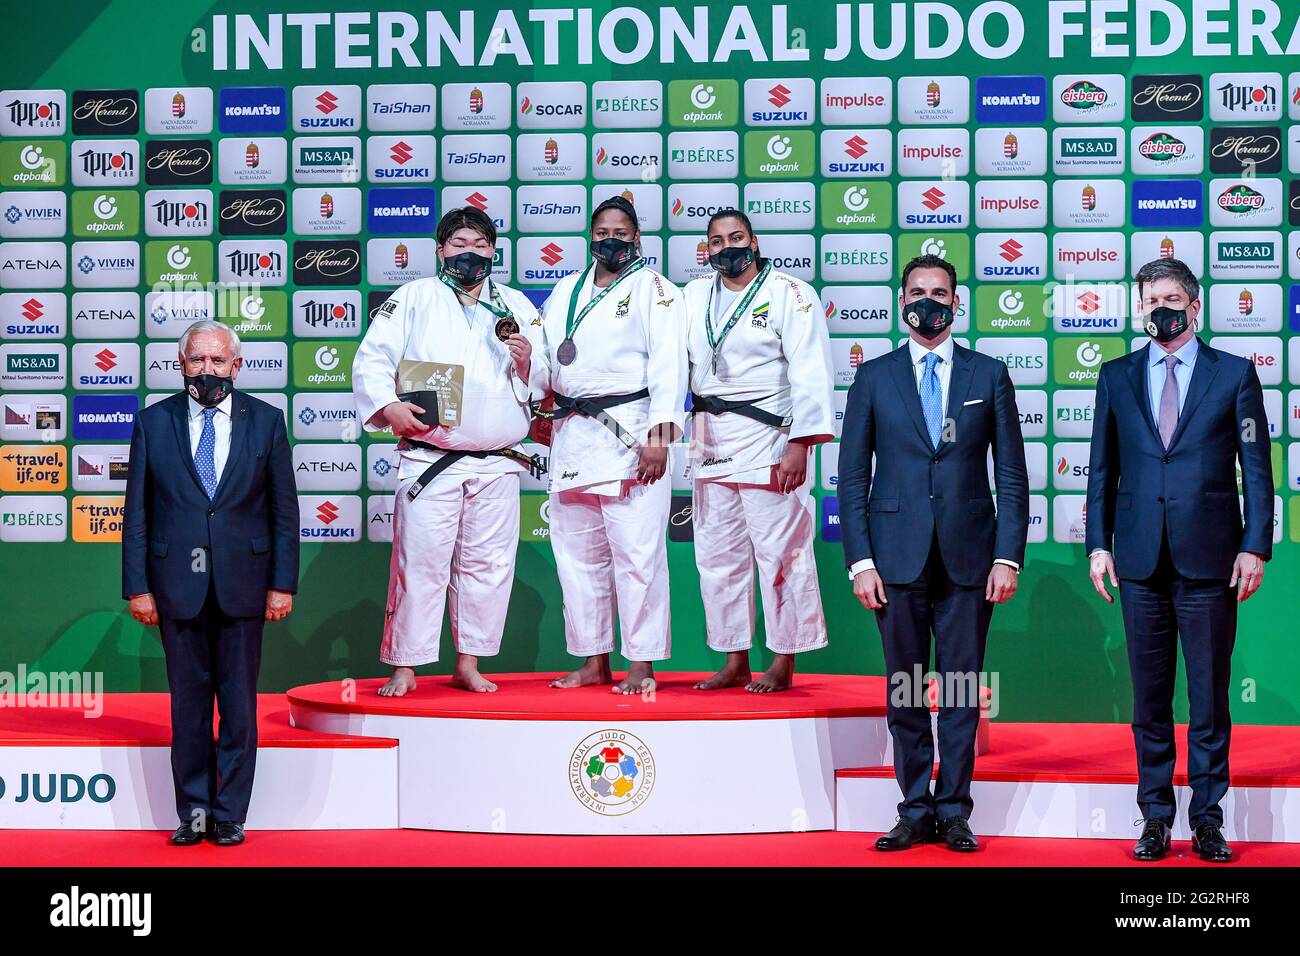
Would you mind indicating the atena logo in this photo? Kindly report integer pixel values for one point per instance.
(551, 105)
(929, 204)
(329, 518)
(401, 159)
(612, 772)
(1245, 96)
(475, 158)
(105, 315)
(1246, 202)
(857, 152)
(327, 467)
(1088, 203)
(23, 112)
(627, 155)
(1177, 97)
(252, 160)
(252, 109)
(33, 265)
(1011, 99)
(550, 258)
(1167, 150)
(492, 200)
(1168, 202)
(619, 104)
(779, 102)
(1088, 98)
(327, 109)
(861, 101)
(691, 204)
(708, 155)
(476, 106)
(401, 106)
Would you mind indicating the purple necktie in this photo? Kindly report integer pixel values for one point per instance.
(1169, 401)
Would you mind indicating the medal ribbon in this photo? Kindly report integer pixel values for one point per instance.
(736, 313)
(498, 309)
(571, 323)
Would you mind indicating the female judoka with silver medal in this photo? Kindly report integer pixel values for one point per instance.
(762, 395)
(615, 341)
(455, 540)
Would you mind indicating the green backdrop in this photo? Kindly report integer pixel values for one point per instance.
(1059, 651)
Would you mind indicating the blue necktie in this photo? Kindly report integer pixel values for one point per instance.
(932, 398)
(204, 456)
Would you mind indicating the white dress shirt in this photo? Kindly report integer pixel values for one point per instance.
(220, 422)
(943, 372)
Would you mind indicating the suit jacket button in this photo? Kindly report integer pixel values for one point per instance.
(211, 513)
(1161, 499)
(935, 459)
(1166, 459)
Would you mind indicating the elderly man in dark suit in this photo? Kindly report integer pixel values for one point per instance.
(1172, 421)
(209, 553)
(927, 549)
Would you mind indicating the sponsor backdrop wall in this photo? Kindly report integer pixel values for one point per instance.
(281, 166)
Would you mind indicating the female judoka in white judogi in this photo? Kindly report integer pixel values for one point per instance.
(614, 340)
(761, 398)
(456, 510)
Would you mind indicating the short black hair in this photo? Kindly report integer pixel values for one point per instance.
(622, 205)
(467, 217)
(929, 261)
(1174, 269)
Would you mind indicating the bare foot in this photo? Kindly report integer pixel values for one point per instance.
(595, 671)
(400, 684)
(780, 676)
(467, 677)
(735, 673)
(640, 678)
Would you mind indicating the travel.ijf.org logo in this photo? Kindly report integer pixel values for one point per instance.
(612, 772)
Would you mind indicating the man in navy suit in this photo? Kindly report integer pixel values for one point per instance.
(1172, 420)
(209, 553)
(926, 549)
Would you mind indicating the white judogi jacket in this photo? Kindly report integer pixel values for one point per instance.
(780, 354)
(424, 321)
(633, 339)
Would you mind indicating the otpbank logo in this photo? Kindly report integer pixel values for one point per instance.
(253, 109)
(1011, 99)
(703, 104)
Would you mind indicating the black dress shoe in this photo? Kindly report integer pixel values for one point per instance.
(187, 835)
(906, 835)
(1153, 844)
(1208, 841)
(228, 834)
(956, 833)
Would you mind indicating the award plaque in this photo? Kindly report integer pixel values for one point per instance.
(445, 382)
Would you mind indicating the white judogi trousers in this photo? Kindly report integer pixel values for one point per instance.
(738, 526)
(611, 555)
(456, 542)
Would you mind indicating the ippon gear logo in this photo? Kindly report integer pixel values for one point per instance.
(612, 772)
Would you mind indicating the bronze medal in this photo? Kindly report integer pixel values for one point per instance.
(507, 327)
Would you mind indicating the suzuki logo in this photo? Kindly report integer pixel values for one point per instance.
(551, 253)
(855, 146)
(401, 152)
(1089, 302)
(778, 95)
(477, 200)
(107, 360)
(328, 512)
(932, 198)
(33, 310)
(327, 102)
(1011, 250)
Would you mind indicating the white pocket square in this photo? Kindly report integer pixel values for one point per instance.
(973, 401)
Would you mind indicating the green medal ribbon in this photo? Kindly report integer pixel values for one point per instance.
(497, 307)
(715, 343)
(571, 323)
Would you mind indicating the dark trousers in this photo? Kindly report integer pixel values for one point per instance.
(213, 656)
(1158, 611)
(958, 617)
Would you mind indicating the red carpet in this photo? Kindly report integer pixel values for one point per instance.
(527, 697)
(430, 848)
(1261, 756)
(144, 720)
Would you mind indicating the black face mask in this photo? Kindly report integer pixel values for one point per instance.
(731, 261)
(467, 269)
(614, 253)
(209, 390)
(1165, 324)
(928, 317)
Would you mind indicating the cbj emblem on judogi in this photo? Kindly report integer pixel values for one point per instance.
(758, 318)
(612, 772)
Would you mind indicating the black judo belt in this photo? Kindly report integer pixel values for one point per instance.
(710, 405)
(534, 463)
(595, 408)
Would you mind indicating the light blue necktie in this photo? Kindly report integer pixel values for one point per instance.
(204, 456)
(932, 398)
